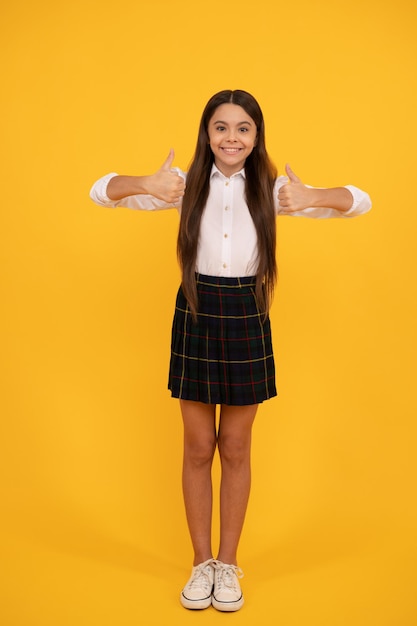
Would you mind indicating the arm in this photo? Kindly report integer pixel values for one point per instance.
(164, 188)
(295, 198)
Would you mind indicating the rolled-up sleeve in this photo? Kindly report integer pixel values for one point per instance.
(98, 192)
(361, 202)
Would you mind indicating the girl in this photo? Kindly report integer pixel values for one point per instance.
(221, 351)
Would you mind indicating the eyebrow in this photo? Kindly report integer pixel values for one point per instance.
(238, 124)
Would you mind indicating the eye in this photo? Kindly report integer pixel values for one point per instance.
(244, 129)
(220, 128)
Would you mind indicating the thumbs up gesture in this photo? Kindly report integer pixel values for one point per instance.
(294, 196)
(166, 184)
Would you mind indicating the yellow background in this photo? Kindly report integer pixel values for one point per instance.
(92, 522)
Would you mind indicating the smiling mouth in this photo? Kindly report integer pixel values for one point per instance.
(231, 150)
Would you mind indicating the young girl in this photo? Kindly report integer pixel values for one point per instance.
(221, 351)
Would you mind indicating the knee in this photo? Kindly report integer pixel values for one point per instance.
(199, 453)
(234, 450)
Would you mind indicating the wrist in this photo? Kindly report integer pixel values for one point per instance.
(142, 185)
(318, 197)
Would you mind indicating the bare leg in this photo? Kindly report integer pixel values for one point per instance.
(199, 446)
(234, 441)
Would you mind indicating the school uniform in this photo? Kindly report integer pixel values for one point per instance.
(226, 357)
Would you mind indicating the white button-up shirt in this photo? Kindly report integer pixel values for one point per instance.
(228, 242)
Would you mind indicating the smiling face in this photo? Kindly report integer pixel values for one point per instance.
(232, 135)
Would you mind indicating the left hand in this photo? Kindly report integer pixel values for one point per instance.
(294, 196)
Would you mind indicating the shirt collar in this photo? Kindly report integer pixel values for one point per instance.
(216, 172)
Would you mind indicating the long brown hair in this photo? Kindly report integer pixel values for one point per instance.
(259, 183)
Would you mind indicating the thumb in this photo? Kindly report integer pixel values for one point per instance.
(166, 165)
(293, 177)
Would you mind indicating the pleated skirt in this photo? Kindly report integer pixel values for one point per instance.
(225, 357)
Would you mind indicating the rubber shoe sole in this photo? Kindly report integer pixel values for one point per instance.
(227, 606)
(195, 605)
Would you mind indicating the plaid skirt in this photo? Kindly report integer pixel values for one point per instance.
(226, 356)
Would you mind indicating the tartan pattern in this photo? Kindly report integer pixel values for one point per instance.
(226, 357)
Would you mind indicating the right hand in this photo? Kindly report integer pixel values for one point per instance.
(166, 184)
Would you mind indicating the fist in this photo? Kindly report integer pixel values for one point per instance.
(166, 184)
(294, 196)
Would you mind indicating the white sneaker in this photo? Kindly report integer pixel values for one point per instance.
(227, 595)
(197, 592)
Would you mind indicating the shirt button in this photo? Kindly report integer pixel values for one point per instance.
(224, 265)
(226, 208)
(226, 235)
(227, 183)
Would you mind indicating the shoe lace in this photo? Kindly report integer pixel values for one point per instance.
(227, 576)
(201, 576)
